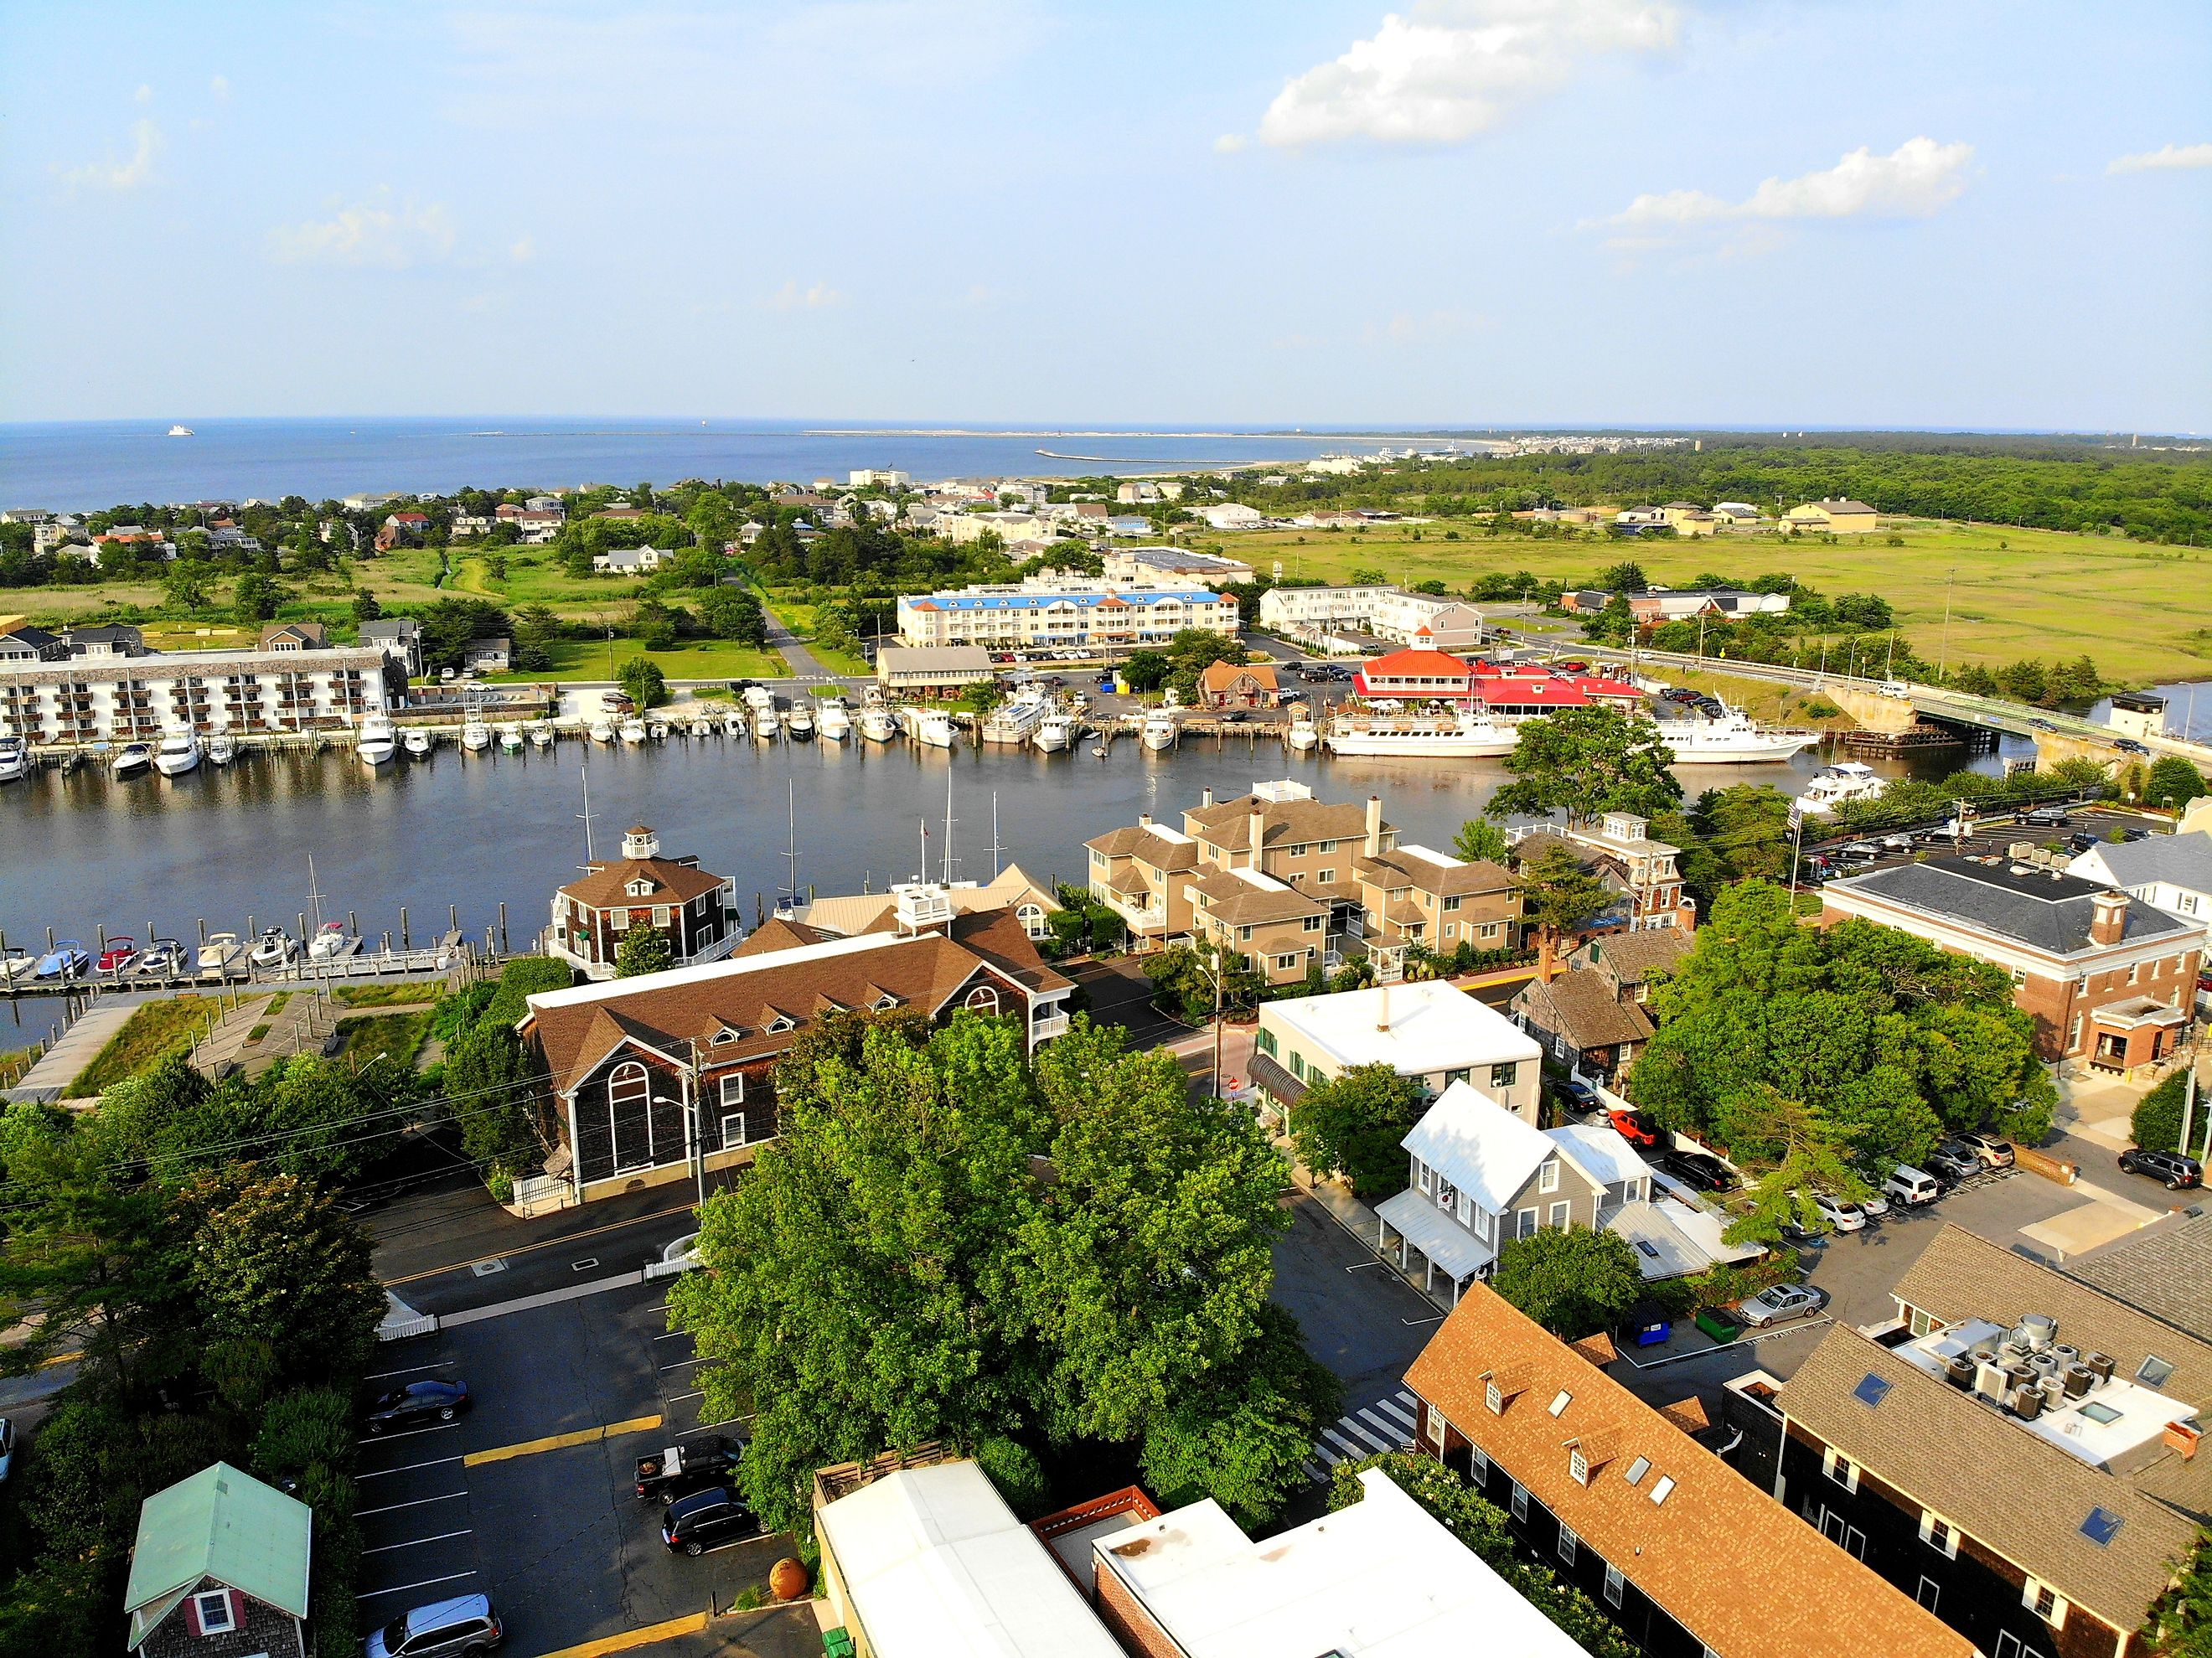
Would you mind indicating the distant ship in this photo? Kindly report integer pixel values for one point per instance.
(180, 431)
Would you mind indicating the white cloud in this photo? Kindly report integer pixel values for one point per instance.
(379, 234)
(111, 174)
(792, 297)
(1452, 68)
(219, 88)
(1229, 143)
(2172, 156)
(1918, 178)
(144, 94)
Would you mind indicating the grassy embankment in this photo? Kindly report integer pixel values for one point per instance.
(2139, 612)
(154, 1029)
(395, 1036)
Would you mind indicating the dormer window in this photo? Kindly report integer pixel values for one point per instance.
(885, 1000)
(781, 1022)
(639, 889)
(724, 1036)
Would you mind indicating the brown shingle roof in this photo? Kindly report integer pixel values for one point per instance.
(1634, 956)
(1236, 901)
(1582, 1008)
(1742, 1573)
(606, 887)
(2012, 1491)
(1220, 676)
(1453, 880)
(1138, 841)
(778, 932)
(1228, 823)
(2165, 1270)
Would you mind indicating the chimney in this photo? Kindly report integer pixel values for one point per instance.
(1374, 826)
(1258, 829)
(2108, 917)
(1144, 820)
(1205, 798)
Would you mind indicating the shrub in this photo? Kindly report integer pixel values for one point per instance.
(2156, 1122)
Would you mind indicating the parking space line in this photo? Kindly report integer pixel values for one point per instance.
(726, 1422)
(412, 1369)
(673, 1335)
(401, 1588)
(695, 1358)
(561, 1442)
(407, 1468)
(394, 1508)
(385, 1439)
(690, 1624)
(677, 1398)
(417, 1542)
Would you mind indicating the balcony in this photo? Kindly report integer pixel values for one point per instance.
(1046, 1028)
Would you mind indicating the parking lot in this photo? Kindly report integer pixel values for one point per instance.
(529, 1497)
(1995, 841)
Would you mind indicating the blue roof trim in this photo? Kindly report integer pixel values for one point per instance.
(1080, 601)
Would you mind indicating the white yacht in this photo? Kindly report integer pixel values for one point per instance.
(1159, 729)
(603, 729)
(14, 758)
(377, 740)
(1304, 735)
(221, 748)
(1734, 740)
(180, 431)
(798, 722)
(1017, 719)
(1054, 733)
(1846, 781)
(835, 722)
(733, 723)
(131, 760)
(759, 700)
(510, 739)
(877, 724)
(632, 729)
(179, 753)
(1431, 734)
(541, 734)
(418, 742)
(657, 729)
(931, 728)
(476, 735)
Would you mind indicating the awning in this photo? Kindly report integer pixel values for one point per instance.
(1448, 1246)
(1273, 1081)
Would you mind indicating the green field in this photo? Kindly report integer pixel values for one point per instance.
(2143, 613)
(395, 1036)
(695, 658)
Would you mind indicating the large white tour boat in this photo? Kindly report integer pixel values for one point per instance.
(1734, 740)
(1444, 734)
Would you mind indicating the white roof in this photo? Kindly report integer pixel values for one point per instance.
(608, 989)
(1479, 1145)
(1381, 1579)
(1430, 1027)
(1602, 1155)
(1446, 1243)
(935, 1565)
(1703, 1228)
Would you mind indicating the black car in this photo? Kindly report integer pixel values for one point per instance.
(1696, 1170)
(2082, 840)
(417, 1405)
(2043, 725)
(1235, 718)
(694, 1524)
(2128, 745)
(2171, 1168)
(1575, 1097)
(1953, 1162)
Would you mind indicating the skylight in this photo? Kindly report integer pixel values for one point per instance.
(2102, 1527)
(1559, 1402)
(1663, 1490)
(2154, 1371)
(1871, 1391)
(1638, 1469)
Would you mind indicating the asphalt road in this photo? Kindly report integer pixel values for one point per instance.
(1359, 1317)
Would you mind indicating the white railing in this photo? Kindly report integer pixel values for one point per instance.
(1056, 1025)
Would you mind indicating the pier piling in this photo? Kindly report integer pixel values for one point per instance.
(404, 944)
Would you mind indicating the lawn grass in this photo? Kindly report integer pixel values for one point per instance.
(697, 658)
(2137, 610)
(154, 1029)
(396, 1036)
(386, 995)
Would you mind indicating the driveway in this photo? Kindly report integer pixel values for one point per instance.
(1121, 994)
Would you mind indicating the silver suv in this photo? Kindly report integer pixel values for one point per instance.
(444, 1629)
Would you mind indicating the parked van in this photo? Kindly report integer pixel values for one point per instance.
(1910, 1185)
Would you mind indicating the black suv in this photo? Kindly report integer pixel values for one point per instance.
(1578, 1097)
(417, 1405)
(1696, 1170)
(694, 1524)
(2171, 1168)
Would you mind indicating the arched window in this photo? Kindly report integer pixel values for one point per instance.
(628, 1085)
(984, 998)
(629, 1115)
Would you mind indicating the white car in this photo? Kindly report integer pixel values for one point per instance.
(1844, 1217)
(1875, 1206)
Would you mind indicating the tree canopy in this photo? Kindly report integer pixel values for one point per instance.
(1042, 1262)
(1586, 762)
(1571, 1280)
(1354, 1123)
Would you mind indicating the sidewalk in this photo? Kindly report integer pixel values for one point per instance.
(76, 1049)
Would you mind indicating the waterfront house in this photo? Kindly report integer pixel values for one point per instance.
(2108, 979)
(294, 636)
(654, 1077)
(1031, 904)
(220, 1570)
(1617, 1499)
(1238, 685)
(697, 910)
(1435, 900)
(933, 671)
(399, 636)
(2172, 872)
(488, 656)
(1428, 1031)
(2015, 1449)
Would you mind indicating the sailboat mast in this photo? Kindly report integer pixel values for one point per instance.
(590, 858)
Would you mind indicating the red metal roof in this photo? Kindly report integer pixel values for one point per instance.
(1414, 664)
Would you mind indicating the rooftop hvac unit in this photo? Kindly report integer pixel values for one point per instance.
(1961, 1372)
(2028, 1404)
(2066, 1354)
(2043, 1364)
(2101, 1366)
(2078, 1379)
(2023, 1376)
(2053, 1389)
(2040, 1329)
(1990, 1380)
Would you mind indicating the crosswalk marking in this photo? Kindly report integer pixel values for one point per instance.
(1385, 1425)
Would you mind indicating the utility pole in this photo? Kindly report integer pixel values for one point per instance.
(1943, 651)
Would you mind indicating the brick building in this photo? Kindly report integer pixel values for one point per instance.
(697, 910)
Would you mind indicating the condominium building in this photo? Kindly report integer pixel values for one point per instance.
(137, 698)
(1070, 614)
(1390, 613)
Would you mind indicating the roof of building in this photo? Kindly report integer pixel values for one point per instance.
(936, 1565)
(222, 1524)
(738, 1000)
(306, 633)
(1632, 958)
(2043, 909)
(876, 912)
(1480, 1146)
(1414, 663)
(2014, 1492)
(1435, 871)
(1582, 1008)
(2165, 1270)
(1076, 598)
(1220, 676)
(1228, 823)
(1243, 897)
(606, 886)
(1743, 1574)
(1383, 1578)
(1601, 1154)
(2180, 860)
(1162, 847)
(1416, 1029)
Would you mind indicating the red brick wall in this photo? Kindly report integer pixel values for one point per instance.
(1132, 1626)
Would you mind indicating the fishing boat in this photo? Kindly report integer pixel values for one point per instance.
(656, 730)
(510, 739)
(930, 727)
(273, 948)
(541, 734)
(632, 731)
(1017, 719)
(799, 723)
(131, 760)
(835, 722)
(1159, 729)
(767, 724)
(177, 753)
(1303, 736)
(418, 740)
(14, 758)
(476, 735)
(733, 724)
(1836, 784)
(603, 731)
(1732, 739)
(877, 724)
(1435, 734)
(221, 748)
(377, 740)
(759, 700)
(1053, 733)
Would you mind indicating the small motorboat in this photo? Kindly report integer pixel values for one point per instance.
(1159, 731)
(656, 730)
(177, 753)
(221, 748)
(330, 941)
(1304, 735)
(877, 724)
(377, 740)
(164, 958)
(68, 958)
(116, 951)
(733, 723)
(16, 963)
(799, 723)
(541, 735)
(476, 735)
(417, 741)
(603, 731)
(633, 730)
(131, 760)
(218, 956)
(510, 739)
(14, 758)
(273, 948)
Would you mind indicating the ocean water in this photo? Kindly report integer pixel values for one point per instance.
(82, 466)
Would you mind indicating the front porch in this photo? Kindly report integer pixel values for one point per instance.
(2126, 1038)
(1442, 1244)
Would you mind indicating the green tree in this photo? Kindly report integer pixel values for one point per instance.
(1145, 671)
(275, 1254)
(1586, 762)
(365, 607)
(1573, 1281)
(643, 950)
(254, 598)
(733, 613)
(2173, 782)
(496, 1089)
(1480, 841)
(2155, 1123)
(1353, 1123)
(1624, 578)
(644, 682)
(1559, 897)
(2180, 1624)
(185, 586)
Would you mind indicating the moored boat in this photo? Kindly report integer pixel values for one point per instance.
(1304, 735)
(131, 759)
(510, 739)
(221, 748)
(14, 758)
(1447, 734)
(877, 724)
(1014, 720)
(1733, 739)
(835, 722)
(931, 728)
(733, 724)
(1159, 729)
(632, 729)
(417, 741)
(799, 723)
(603, 731)
(177, 753)
(377, 740)
(476, 735)
(541, 734)
(1053, 733)
(1844, 781)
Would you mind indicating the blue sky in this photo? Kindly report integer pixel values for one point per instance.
(1987, 213)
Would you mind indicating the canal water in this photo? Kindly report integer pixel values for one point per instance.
(79, 850)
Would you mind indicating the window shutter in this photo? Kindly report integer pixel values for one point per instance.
(238, 1609)
(192, 1614)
